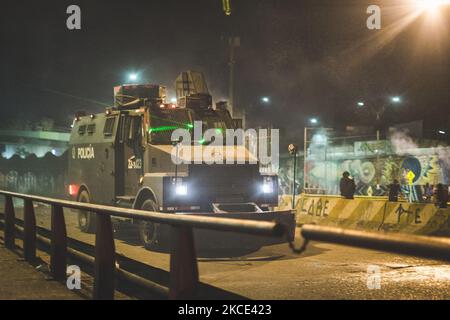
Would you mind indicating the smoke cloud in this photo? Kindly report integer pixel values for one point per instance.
(402, 142)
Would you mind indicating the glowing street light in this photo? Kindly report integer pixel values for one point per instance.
(396, 99)
(434, 22)
(379, 107)
(313, 121)
(265, 99)
(133, 77)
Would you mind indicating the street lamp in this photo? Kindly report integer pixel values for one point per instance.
(133, 77)
(313, 120)
(396, 99)
(265, 99)
(378, 108)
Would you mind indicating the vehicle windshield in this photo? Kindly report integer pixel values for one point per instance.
(163, 122)
(219, 119)
(215, 119)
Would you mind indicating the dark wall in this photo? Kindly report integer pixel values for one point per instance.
(44, 176)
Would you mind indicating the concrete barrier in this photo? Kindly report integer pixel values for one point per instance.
(369, 213)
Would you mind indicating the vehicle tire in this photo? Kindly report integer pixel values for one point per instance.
(148, 231)
(86, 219)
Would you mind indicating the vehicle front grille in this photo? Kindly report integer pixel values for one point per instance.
(223, 183)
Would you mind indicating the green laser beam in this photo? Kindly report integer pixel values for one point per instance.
(167, 128)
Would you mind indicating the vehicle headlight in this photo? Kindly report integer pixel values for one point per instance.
(180, 188)
(267, 186)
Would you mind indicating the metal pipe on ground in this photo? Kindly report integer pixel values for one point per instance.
(421, 246)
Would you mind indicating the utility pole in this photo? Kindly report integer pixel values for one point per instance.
(233, 42)
(305, 140)
(377, 165)
(379, 113)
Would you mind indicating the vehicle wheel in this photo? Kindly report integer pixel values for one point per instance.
(86, 219)
(149, 231)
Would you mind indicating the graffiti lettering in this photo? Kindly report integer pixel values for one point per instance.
(400, 211)
(325, 208)
(38, 182)
(311, 208)
(302, 208)
(318, 208)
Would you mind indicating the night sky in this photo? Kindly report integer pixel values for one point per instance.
(312, 58)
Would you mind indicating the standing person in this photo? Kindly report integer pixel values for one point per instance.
(347, 186)
(394, 190)
(441, 195)
(428, 192)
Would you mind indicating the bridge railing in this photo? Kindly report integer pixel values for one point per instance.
(184, 276)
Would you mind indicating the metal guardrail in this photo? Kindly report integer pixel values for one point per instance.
(184, 276)
(183, 261)
(421, 246)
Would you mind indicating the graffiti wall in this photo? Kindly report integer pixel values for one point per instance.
(373, 175)
(39, 176)
(371, 214)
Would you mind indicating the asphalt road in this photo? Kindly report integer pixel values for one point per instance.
(323, 271)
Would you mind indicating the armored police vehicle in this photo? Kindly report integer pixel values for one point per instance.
(123, 157)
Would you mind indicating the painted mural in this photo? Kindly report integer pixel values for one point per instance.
(372, 174)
